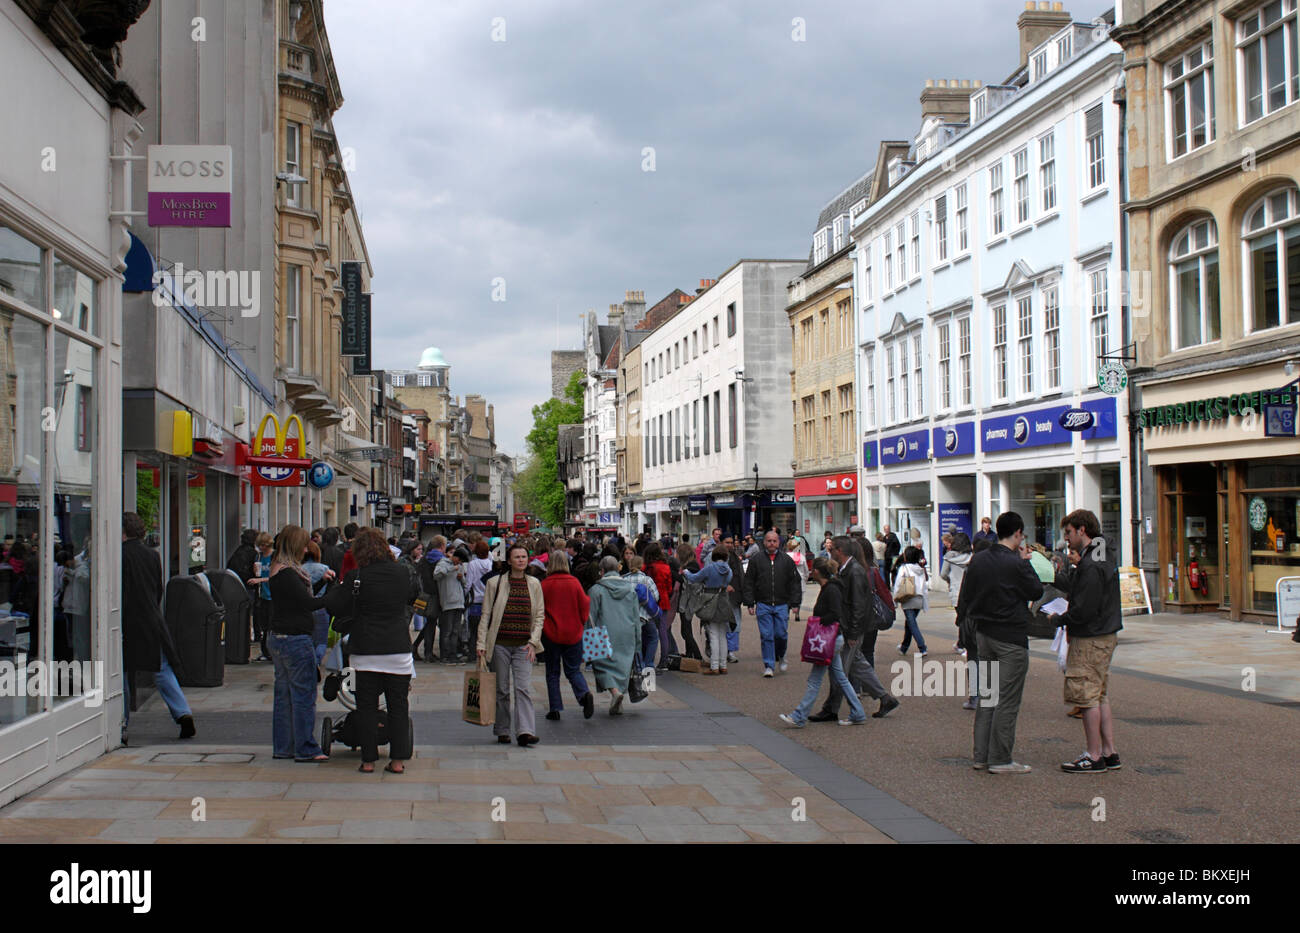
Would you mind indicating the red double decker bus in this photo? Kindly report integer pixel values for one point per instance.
(524, 522)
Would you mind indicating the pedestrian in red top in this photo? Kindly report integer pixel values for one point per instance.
(567, 607)
(660, 571)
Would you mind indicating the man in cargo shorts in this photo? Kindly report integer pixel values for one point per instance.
(1092, 623)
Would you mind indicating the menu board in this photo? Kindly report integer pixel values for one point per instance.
(1133, 595)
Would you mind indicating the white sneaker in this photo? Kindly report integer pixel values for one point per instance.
(767, 672)
(616, 705)
(784, 667)
(791, 721)
(1013, 767)
(732, 657)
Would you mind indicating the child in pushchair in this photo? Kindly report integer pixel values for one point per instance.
(338, 684)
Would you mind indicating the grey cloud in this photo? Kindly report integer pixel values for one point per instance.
(522, 159)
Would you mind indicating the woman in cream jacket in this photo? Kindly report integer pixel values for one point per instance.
(509, 638)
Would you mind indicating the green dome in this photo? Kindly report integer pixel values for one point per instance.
(431, 358)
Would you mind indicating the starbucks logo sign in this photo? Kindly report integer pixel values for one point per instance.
(1258, 513)
(1112, 377)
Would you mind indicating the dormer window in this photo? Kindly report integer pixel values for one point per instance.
(820, 243)
(840, 232)
(1038, 65)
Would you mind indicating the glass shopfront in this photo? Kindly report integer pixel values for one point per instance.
(1194, 529)
(1039, 498)
(1271, 537)
(49, 455)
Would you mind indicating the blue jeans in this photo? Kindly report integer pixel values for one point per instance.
(913, 630)
(649, 641)
(570, 658)
(733, 634)
(168, 688)
(773, 622)
(293, 713)
(320, 633)
(815, 677)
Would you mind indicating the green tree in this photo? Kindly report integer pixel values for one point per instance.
(538, 487)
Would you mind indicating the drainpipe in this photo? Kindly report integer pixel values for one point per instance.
(1126, 330)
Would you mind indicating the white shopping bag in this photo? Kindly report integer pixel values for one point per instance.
(1061, 645)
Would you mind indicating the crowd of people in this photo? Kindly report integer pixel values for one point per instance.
(506, 604)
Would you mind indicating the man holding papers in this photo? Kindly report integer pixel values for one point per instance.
(1091, 621)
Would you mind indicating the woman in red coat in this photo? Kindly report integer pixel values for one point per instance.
(567, 606)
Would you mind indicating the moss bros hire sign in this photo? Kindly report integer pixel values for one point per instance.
(189, 186)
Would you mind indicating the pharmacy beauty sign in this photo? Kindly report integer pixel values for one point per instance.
(189, 186)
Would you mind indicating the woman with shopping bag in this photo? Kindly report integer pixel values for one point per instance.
(509, 639)
(910, 584)
(715, 606)
(613, 632)
(825, 623)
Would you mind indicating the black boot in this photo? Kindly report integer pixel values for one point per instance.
(187, 727)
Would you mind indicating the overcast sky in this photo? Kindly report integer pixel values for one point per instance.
(522, 159)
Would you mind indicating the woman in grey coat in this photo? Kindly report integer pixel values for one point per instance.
(614, 604)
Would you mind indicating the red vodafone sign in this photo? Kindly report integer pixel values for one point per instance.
(829, 484)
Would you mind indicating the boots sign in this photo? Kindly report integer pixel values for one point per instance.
(189, 186)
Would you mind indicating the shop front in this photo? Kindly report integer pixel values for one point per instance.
(1225, 469)
(907, 505)
(730, 512)
(60, 377)
(776, 509)
(825, 502)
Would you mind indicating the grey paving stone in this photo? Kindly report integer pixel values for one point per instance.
(585, 778)
(144, 830)
(233, 758)
(922, 829)
(309, 832)
(737, 815)
(417, 829)
(85, 809)
(633, 779)
(789, 831)
(715, 764)
(513, 793)
(704, 832)
(713, 779)
(393, 790)
(125, 774)
(647, 764)
(175, 758)
(643, 816)
(741, 795)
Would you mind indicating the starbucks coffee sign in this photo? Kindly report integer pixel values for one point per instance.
(1112, 377)
(1257, 512)
(1218, 408)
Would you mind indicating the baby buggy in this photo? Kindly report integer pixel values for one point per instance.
(337, 684)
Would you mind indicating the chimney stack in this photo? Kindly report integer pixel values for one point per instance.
(1040, 21)
(947, 99)
(633, 308)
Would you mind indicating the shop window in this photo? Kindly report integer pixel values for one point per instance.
(1194, 284)
(74, 297)
(1272, 516)
(22, 380)
(1271, 257)
(22, 275)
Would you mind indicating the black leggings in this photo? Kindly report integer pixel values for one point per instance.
(395, 688)
(689, 645)
(261, 623)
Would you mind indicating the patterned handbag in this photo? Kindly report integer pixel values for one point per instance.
(596, 645)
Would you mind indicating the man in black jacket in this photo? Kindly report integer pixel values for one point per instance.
(856, 620)
(146, 643)
(1092, 623)
(893, 548)
(995, 597)
(772, 588)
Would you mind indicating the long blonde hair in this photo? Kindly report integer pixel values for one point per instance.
(290, 546)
